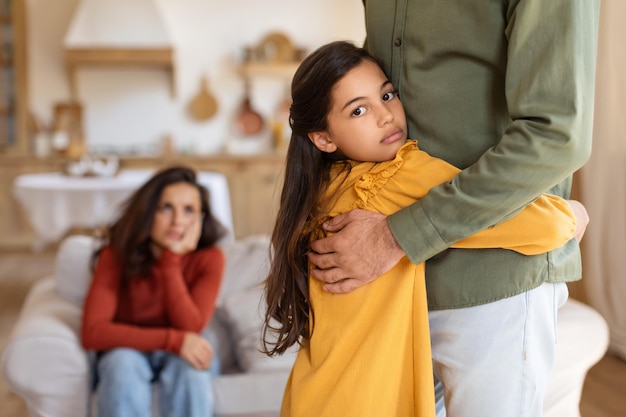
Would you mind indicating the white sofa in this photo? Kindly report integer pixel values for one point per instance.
(45, 364)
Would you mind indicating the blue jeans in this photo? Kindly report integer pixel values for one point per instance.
(124, 384)
(494, 360)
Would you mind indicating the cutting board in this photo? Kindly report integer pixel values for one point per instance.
(203, 105)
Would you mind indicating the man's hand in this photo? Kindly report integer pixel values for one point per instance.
(197, 351)
(582, 218)
(361, 250)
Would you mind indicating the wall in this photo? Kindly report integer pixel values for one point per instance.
(603, 181)
(132, 109)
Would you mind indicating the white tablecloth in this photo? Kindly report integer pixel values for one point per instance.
(55, 203)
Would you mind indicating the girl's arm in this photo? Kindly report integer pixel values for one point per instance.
(190, 303)
(99, 329)
(545, 224)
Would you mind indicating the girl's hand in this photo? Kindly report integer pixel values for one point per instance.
(197, 351)
(582, 218)
(189, 241)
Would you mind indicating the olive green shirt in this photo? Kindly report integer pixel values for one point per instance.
(503, 90)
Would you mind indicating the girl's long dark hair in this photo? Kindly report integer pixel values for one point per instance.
(306, 177)
(129, 235)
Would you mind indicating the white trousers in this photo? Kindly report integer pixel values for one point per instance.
(494, 360)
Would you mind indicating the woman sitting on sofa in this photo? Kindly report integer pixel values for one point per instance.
(154, 289)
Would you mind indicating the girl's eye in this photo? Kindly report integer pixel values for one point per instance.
(190, 210)
(390, 95)
(359, 111)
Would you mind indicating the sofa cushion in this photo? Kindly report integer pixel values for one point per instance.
(249, 394)
(73, 267)
(247, 264)
(244, 312)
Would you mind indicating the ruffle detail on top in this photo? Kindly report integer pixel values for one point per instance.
(375, 179)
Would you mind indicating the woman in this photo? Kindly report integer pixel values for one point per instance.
(154, 289)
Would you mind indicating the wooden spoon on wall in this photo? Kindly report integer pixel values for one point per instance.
(203, 106)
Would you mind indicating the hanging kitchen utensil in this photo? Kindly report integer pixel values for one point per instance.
(248, 121)
(203, 106)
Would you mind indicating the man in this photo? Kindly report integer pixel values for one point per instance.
(504, 90)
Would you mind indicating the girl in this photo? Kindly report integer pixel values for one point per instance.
(364, 353)
(154, 289)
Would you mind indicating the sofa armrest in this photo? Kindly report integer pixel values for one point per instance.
(583, 338)
(44, 362)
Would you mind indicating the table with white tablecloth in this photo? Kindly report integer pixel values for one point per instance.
(55, 203)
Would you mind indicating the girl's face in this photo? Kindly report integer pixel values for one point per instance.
(179, 206)
(366, 121)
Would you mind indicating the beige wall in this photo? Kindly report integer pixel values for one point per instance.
(135, 106)
(602, 181)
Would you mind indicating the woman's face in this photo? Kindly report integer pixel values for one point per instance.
(366, 121)
(179, 206)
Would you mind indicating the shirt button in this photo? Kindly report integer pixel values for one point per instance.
(397, 42)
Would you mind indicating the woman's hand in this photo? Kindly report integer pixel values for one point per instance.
(189, 241)
(197, 351)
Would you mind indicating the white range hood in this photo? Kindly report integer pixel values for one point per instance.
(118, 33)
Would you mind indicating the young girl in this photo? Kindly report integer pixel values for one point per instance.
(154, 289)
(364, 353)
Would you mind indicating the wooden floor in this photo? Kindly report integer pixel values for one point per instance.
(604, 393)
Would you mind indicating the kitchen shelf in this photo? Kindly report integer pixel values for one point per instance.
(160, 58)
(254, 69)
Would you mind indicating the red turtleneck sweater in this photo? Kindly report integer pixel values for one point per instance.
(153, 313)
